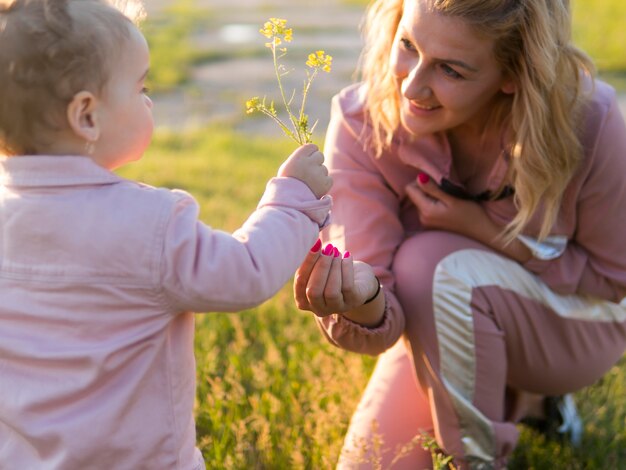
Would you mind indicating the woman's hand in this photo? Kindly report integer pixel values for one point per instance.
(327, 283)
(439, 210)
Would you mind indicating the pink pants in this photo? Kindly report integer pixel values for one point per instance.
(479, 329)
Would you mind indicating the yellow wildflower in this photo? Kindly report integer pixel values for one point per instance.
(297, 126)
(252, 105)
(276, 27)
(320, 60)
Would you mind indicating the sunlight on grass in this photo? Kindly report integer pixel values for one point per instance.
(600, 30)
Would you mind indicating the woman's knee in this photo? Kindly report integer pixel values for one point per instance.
(419, 256)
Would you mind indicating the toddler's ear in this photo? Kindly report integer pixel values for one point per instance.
(82, 116)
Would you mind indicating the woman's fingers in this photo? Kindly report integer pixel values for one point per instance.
(318, 280)
(418, 196)
(431, 189)
(333, 297)
(303, 274)
(325, 283)
(348, 287)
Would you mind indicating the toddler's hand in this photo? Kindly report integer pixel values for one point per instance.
(306, 164)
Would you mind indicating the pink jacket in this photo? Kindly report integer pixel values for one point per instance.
(98, 279)
(372, 214)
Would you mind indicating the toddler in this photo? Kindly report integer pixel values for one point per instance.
(99, 275)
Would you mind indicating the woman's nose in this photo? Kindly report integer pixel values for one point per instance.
(416, 84)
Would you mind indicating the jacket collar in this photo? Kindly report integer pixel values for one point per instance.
(44, 170)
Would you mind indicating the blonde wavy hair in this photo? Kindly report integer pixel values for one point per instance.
(532, 45)
(50, 50)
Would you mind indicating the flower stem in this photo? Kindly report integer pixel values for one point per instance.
(292, 118)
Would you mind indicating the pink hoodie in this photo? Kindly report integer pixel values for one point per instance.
(98, 279)
(372, 214)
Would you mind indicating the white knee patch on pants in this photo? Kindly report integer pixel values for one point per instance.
(455, 277)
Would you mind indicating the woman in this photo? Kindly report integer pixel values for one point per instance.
(478, 176)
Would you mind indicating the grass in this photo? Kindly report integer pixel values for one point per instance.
(272, 393)
(599, 30)
(169, 35)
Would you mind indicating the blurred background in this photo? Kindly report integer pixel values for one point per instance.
(209, 57)
(224, 61)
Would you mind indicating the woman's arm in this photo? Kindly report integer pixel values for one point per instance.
(439, 210)
(203, 269)
(365, 221)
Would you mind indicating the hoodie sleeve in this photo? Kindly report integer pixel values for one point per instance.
(365, 221)
(204, 269)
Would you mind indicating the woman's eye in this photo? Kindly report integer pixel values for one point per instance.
(145, 90)
(450, 72)
(407, 44)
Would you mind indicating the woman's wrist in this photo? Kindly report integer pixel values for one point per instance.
(489, 233)
(371, 313)
(378, 289)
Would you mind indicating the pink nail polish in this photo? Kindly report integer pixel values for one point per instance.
(346, 255)
(336, 253)
(423, 178)
(328, 249)
(315, 248)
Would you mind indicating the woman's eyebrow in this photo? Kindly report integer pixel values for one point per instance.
(459, 63)
(456, 62)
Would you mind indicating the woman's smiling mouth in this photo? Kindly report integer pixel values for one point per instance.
(424, 107)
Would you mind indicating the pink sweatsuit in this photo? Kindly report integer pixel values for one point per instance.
(476, 325)
(99, 277)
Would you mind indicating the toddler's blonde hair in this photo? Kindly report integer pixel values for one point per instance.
(50, 50)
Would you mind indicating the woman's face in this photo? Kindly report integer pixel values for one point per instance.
(447, 76)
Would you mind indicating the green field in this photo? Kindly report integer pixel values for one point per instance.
(600, 29)
(272, 393)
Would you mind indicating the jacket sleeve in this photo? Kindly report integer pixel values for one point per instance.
(594, 262)
(364, 221)
(203, 269)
